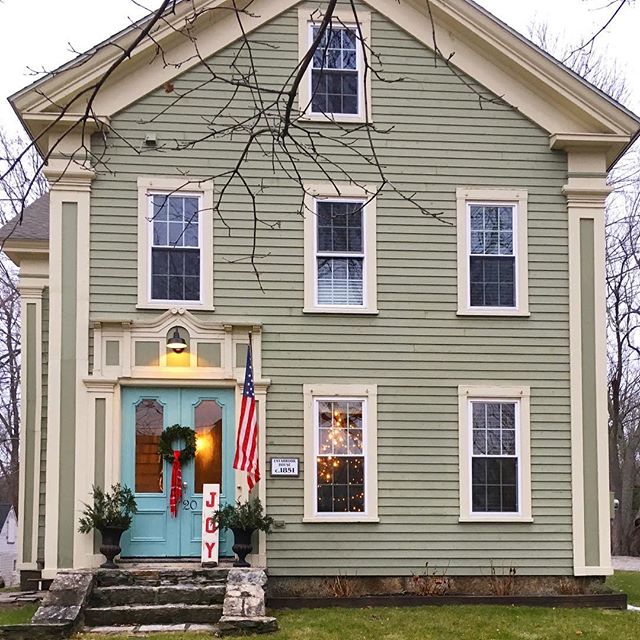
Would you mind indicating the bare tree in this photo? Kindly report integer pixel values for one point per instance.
(25, 175)
(623, 287)
(594, 65)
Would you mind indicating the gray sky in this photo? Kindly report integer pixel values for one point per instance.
(32, 34)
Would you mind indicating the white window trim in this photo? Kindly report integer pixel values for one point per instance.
(147, 186)
(495, 393)
(369, 395)
(345, 192)
(307, 17)
(518, 198)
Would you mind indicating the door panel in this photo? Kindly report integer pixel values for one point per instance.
(212, 417)
(145, 412)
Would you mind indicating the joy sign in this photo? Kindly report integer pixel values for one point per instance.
(210, 533)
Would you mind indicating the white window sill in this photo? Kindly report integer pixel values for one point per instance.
(480, 311)
(334, 520)
(333, 118)
(342, 310)
(496, 519)
(161, 306)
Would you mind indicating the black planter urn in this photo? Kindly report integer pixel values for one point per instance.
(110, 546)
(242, 546)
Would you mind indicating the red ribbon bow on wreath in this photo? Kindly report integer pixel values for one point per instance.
(176, 485)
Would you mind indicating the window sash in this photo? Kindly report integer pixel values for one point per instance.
(317, 400)
(358, 70)
(491, 456)
(497, 257)
(173, 246)
(342, 255)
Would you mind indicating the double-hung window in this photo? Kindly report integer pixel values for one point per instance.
(175, 243)
(336, 72)
(336, 86)
(494, 453)
(175, 247)
(492, 257)
(492, 252)
(340, 251)
(340, 452)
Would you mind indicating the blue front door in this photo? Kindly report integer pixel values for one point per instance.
(145, 413)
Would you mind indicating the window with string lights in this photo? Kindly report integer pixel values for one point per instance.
(340, 447)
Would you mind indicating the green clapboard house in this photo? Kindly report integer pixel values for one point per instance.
(428, 334)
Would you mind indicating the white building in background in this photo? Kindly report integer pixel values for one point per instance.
(8, 531)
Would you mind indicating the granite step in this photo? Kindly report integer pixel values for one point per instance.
(203, 594)
(160, 577)
(152, 614)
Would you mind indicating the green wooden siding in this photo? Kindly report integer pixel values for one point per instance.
(416, 349)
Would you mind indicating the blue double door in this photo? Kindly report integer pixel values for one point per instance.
(146, 413)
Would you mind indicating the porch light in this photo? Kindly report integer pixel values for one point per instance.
(176, 343)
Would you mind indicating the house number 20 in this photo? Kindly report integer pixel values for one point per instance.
(190, 505)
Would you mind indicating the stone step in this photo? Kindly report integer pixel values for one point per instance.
(167, 594)
(152, 614)
(159, 577)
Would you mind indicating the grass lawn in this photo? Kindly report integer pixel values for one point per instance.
(446, 623)
(12, 614)
(629, 582)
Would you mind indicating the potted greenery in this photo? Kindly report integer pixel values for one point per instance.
(243, 518)
(111, 514)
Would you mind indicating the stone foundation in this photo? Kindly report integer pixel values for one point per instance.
(432, 585)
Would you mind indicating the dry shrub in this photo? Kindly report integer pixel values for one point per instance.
(503, 584)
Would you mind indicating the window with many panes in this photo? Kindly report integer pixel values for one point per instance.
(340, 253)
(336, 72)
(494, 456)
(492, 255)
(340, 463)
(340, 453)
(175, 247)
(493, 261)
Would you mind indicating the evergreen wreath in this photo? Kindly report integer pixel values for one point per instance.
(177, 432)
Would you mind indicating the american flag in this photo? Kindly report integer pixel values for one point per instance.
(247, 442)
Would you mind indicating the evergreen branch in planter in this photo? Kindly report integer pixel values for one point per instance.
(111, 509)
(246, 516)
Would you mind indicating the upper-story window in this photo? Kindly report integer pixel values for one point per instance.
(175, 240)
(175, 247)
(492, 252)
(335, 86)
(336, 72)
(492, 255)
(340, 251)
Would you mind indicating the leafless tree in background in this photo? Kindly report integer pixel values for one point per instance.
(623, 291)
(13, 197)
(623, 298)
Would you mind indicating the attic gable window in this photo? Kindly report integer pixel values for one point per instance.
(335, 87)
(175, 240)
(336, 72)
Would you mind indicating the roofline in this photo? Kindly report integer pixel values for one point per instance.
(594, 110)
(555, 61)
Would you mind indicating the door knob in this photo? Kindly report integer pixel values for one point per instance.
(185, 484)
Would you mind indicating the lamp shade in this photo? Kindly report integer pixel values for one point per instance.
(176, 342)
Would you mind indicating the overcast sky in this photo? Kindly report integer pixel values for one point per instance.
(33, 34)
